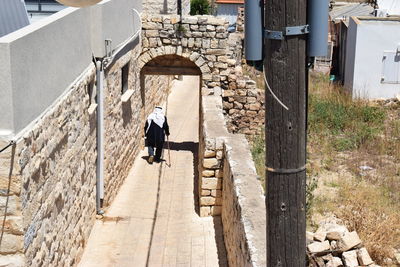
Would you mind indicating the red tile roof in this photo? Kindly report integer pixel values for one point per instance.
(230, 1)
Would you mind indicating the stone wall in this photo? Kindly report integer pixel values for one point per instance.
(211, 140)
(12, 244)
(218, 54)
(229, 187)
(243, 210)
(244, 104)
(57, 165)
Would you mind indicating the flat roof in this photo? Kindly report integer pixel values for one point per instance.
(350, 9)
(370, 19)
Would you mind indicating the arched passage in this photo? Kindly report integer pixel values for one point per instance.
(172, 64)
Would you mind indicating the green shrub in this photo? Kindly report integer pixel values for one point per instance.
(199, 7)
(348, 123)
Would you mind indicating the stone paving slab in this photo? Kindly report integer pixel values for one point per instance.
(152, 221)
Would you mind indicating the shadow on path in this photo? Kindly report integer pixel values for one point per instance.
(194, 148)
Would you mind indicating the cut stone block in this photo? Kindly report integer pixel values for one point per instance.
(349, 241)
(334, 262)
(205, 211)
(207, 201)
(209, 153)
(320, 236)
(318, 247)
(209, 183)
(350, 258)
(363, 257)
(208, 173)
(211, 163)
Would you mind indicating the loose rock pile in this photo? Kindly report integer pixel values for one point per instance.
(332, 245)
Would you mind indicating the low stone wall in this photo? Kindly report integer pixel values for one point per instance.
(212, 132)
(243, 209)
(229, 187)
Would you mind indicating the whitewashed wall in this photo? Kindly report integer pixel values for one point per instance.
(368, 40)
(228, 11)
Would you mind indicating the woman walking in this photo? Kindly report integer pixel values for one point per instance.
(155, 129)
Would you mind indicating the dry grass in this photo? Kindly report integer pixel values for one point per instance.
(343, 136)
(366, 209)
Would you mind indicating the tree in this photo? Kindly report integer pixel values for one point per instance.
(199, 7)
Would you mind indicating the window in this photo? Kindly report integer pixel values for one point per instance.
(391, 67)
(124, 78)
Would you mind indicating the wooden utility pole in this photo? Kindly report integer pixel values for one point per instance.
(285, 65)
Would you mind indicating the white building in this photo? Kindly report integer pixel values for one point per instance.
(228, 9)
(373, 57)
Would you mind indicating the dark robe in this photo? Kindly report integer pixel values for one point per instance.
(156, 135)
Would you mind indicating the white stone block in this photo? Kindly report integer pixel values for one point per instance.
(349, 241)
(320, 236)
(363, 257)
(334, 262)
(211, 163)
(318, 247)
(350, 258)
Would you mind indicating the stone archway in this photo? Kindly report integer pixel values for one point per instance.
(200, 45)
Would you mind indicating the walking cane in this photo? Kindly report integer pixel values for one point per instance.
(169, 153)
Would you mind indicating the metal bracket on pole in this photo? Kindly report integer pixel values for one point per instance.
(289, 31)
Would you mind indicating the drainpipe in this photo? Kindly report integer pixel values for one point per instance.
(100, 138)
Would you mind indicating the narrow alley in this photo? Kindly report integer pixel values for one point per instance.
(153, 219)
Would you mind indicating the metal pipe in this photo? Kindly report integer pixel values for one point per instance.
(253, 41)
(100, 138)
(318, 11)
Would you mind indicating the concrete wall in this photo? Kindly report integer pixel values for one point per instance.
(35, 75)
(114, 20)
(40, 61)
(368, 39)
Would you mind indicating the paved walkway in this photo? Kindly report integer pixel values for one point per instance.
(152, 221)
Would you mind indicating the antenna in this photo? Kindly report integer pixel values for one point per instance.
(78, 3)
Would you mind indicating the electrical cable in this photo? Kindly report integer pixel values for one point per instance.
(7, 146)
(12, 143)
(272, 92)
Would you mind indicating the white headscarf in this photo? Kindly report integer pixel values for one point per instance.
(157, 116)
